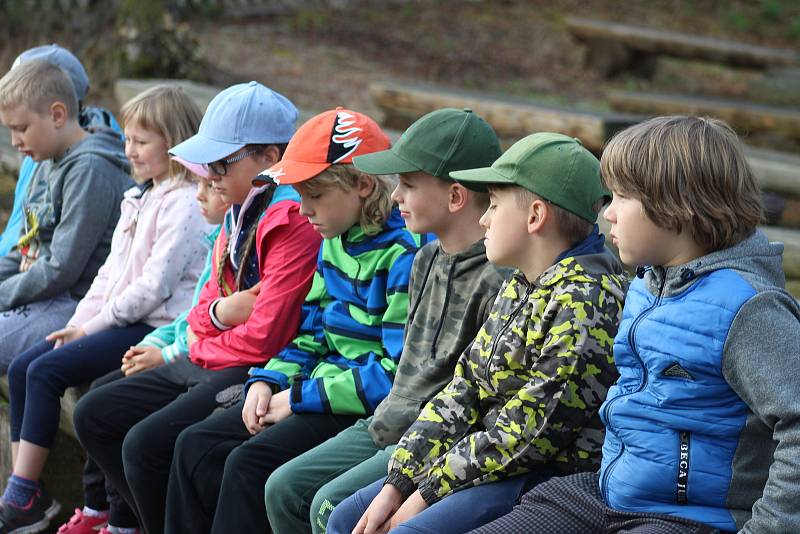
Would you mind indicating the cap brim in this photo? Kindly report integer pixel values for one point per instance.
(289, 172)
(479, 179)
(383, 162)
(194, 168)
(201, 149)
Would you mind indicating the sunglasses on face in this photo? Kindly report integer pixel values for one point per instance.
(220, 168)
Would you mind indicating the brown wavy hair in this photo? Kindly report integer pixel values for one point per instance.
(688, 173)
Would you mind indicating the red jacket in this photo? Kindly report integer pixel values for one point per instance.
(287, 247)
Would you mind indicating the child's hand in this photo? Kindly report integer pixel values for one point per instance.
(256, 405)
(236, 309)
(28, 260)
(278, 410)
(65, 335)
(380, 511)
(138, 359)
(413, 505)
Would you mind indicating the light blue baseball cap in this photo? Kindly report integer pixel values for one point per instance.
(243, 114)
(62, 58)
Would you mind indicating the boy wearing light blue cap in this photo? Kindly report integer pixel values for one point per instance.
(249, 309)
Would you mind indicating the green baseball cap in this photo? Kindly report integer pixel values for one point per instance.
(438, 143)
(554, 166)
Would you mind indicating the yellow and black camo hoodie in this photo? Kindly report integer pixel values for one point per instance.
(526, 393)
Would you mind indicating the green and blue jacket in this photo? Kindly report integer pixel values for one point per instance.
(345, 355)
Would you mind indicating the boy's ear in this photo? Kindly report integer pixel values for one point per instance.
(58, 113)
(458, 197)
(538, 215)
(366, 185)
(270, 156)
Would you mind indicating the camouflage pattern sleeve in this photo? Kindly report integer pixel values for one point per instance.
(444, 419)
(563, 390)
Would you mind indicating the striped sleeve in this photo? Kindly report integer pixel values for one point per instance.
(304, 352)
(357, 383)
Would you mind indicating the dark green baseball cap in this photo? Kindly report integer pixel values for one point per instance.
(438, 143)
(554, 166)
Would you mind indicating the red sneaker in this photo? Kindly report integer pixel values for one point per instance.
(80, 523)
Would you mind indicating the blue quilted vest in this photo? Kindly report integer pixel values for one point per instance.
(672, 421)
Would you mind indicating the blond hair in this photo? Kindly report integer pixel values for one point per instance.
(376, 207)
(688, 172)
(571, 227)
(37, 85)
(168, 110)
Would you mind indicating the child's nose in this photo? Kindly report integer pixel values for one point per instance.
(396, 195)
(609, 214)
(484, 220)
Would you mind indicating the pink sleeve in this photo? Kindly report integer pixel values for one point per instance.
(290, 246)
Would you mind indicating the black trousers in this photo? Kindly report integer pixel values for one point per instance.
(98, 493)
(219, 470)
(129, 427)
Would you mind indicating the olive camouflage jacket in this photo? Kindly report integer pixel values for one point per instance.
(526, 393)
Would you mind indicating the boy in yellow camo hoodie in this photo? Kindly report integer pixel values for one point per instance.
(523, 403)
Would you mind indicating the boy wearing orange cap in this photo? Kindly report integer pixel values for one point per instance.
(341, 364)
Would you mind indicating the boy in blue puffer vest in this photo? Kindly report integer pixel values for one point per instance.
(702, 429)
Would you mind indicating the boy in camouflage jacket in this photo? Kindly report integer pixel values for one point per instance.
(523, 404)
(451, 290)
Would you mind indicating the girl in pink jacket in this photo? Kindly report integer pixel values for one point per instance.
(157, 253)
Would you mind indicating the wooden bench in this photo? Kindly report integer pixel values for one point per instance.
(614, 47)
(743, 116)
(402, 104)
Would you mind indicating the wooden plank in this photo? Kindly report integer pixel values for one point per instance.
(402, 104)
(741, 115)
(775, 171)
(682, 45)
(125, 89)
(201, 93)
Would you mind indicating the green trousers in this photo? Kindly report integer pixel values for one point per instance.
(301, 494)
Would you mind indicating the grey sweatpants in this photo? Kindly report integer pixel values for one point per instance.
(27, 324)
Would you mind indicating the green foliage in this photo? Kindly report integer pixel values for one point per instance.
(737, 20)
(771, 10)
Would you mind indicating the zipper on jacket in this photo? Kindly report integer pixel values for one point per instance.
(444, 310)
(642, 385)
(502, 331)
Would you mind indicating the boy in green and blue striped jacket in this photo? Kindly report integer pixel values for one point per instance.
(341, 364)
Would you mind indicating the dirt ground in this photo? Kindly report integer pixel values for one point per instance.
(326, 57)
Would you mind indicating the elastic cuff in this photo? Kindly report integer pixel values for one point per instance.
(428, 493)
(296, 392)
(212, 309)
(402, 482)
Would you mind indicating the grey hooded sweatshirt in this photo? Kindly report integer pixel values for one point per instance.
(449, 296)
(71, 210)
(761, 358)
